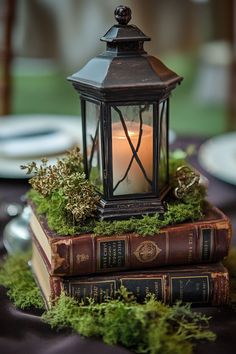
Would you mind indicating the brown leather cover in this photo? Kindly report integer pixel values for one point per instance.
(203, 284)
(198, 284)
(203, 241)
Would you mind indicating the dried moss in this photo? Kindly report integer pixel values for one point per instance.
(56, 214)
(65, 189)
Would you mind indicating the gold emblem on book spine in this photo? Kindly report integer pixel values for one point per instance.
(82, 258)
(147, 251)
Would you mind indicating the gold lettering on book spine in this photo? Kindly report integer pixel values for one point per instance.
(147, 251)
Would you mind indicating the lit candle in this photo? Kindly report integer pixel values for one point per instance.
(135, 181)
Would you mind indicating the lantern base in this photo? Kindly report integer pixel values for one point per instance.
(125, 209)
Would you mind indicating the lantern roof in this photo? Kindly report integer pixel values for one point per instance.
(124, 66)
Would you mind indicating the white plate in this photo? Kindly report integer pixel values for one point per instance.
(218, 157)
(62, 132)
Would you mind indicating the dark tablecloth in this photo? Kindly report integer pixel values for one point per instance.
(24, 332)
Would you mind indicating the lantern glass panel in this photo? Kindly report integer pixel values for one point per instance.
(132, 149)
(93, 142)
(163, 144)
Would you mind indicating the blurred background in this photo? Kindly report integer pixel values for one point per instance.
(51, 39)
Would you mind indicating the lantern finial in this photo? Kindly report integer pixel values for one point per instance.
(122, 14)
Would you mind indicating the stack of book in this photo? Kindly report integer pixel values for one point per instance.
(179, 263)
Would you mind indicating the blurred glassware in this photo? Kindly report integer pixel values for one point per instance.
(212, 81)
(16, 235)
(9, 209)
(172, 136)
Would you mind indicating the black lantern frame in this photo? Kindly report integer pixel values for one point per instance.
(125, 76)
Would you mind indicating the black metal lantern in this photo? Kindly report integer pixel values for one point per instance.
(124, 96)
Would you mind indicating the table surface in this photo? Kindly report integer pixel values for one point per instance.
(24, 332)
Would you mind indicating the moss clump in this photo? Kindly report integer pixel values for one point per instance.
(68, 200)
(189, 209)
(56, 215)
(150, 225)
(230, 264)
(176, 212)
(148, 328)
(151, 327)
(16, 276)
(62, 192)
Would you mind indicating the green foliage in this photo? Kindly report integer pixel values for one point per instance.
(64, 194)
(177, 212)
(68, 200)
(189, 209)
(16, 276)
(57, 217)
(178, 158)
(151, 327)
(150, 225)
(47, 178)
(230, 264)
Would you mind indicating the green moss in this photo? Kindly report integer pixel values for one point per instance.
(57, 217)
(16, 276)
(69, 195)
(151, 327)
(192, 208)
(144, 328)
(61, 218)
(230, 264)
(150, 225)
(189, 209)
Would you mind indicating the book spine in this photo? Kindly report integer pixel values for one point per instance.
(187, 244)
(199, 288)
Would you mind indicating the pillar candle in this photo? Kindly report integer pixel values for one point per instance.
(135, 182)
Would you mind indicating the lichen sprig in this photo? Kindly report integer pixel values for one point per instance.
(48, 178)
(80, 197)
(64, 185)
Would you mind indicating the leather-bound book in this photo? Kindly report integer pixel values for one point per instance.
(202, 241)
(198, 284)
